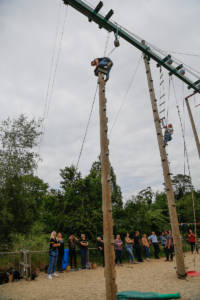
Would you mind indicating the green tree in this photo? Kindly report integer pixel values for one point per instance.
(18, 160)
(181, 184)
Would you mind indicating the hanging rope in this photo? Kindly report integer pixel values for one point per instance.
(87, 126)
(113, 49)
(106, 44)
(126, 94)
(189, 170)
(52, 76)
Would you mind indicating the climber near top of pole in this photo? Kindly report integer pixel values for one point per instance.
(103, 63)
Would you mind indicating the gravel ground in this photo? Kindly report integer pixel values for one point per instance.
(156, 275)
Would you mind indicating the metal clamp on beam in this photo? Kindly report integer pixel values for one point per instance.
(195, 83)
(164, 60)
(176, 69)
(96, 10)
(107, 17)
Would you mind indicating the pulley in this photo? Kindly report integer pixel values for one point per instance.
(116, 41)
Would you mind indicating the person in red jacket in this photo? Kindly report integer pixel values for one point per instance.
(192, 240)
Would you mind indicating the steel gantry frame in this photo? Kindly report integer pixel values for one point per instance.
(104, 22)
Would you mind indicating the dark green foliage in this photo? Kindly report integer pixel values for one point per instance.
(181, 184)
(20, 191)
(29, 210)
(77, 206)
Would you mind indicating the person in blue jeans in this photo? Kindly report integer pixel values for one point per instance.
(104, 63)
(129, 248)
(83, 251)
(53, 255)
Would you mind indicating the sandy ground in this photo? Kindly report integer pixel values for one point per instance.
(156, 275)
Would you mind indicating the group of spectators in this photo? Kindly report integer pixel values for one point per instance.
(137, 247)
(138, 244)
(56, 252)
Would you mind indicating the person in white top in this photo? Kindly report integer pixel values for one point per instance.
(154, 240)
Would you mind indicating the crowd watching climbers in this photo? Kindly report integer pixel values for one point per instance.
(140, 246)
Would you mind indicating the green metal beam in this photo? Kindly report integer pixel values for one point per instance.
(102, 21)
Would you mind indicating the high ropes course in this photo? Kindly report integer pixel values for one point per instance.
(164, 60)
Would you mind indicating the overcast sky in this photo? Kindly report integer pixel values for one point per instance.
(28, 37)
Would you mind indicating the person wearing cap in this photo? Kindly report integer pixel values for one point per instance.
(104, 63)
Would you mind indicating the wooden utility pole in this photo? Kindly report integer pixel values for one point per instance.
(109, 271)
(167, 178)
(192, 123)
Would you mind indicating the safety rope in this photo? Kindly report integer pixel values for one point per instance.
(189, 171)
(52, 76)
(106, 44)
(126, 94)
(87, 126)
(111, 51)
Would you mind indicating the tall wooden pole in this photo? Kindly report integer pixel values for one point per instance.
(109, 271)
(193, 124)
(167, 178)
